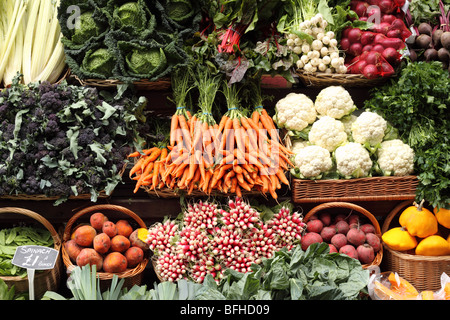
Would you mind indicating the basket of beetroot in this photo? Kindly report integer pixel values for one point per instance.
(347, 228)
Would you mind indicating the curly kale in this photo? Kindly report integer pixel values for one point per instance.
(62, 140)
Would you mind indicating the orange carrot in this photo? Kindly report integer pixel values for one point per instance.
(173, 129)
(137, 166)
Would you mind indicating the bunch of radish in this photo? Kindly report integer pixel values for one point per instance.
(377, 51)
(320, 55)
(431, 41)
(208, 239)
(350, 234)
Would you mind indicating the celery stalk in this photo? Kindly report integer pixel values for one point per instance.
(40, 38)
(29, 37)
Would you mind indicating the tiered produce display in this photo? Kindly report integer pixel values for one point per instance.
(78, 120)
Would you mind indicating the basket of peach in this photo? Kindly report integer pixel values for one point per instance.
(106, 236)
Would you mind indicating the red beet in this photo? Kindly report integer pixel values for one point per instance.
(310, 238)
(349, 250)
(327, 233)
(374, 241)
(370, 71)
(367, 228)
(326, 218)
(356, 236)
(332, 248)
(367, 37)
(339, 240)
(365, 253)
(314, 226)
(354, 35)
(342, 227)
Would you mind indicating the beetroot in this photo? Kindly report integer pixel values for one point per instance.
(314, 226)
(327, 233)
(367, 228)
(374, 241)
(394, 34)
(354, 35)
(310, 238)
(367, 37)
(332, 248)
(356, 236)
(355, 49)
(373, 57)
(358, 67)
(345, 44)
(386, 70)
(370, 71)
(339, 240)
(391, 55)
(384, 27)
(361, 8)
(349, 250)
(378, 48)
(386, 6)
(326, 218)
(342, 227)
(339, 217)
(389, 18)
(365, 253)
(353, 218)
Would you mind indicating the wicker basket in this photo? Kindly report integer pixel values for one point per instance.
(132, 276)
(143, 85)
(424, 272)
(46, 280)
(335, 79)
(156, 271)
(337, 207)
(360, 189)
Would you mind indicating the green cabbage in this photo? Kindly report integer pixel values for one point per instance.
(100, 61)
(180, 10)
(146, 61)
(88, 28)
(130, 14)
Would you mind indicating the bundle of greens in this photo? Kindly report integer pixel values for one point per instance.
(126, 40)
(62, 140)
(416, 103)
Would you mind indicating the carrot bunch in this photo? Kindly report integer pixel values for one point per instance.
(240, 153)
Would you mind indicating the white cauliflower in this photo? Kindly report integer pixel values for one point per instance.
(369, 128)
(328, 133)
(395, 158)
(295, 112)
(334, 101)
(348, 121)
(297, 145)
(313, 161)
(353, 160)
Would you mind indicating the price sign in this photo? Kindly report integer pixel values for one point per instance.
(34, 258)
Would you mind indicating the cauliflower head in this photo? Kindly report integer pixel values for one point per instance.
(295, 112)
(335, 102)
(328, 133)
(369, 128)
(297, 145)
(353, 160)
(395, 158)
(348, 122)
(313, 161)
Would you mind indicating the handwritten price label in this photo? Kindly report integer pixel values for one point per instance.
(35, 257)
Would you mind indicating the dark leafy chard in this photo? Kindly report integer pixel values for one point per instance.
(62, 140)
(417, 103)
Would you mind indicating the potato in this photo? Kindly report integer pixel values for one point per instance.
(115, 262)
(97, 219)
(134, 255)
(91, 257)
(120, 243)
(102, 243)
(109, 228)
(73, 249)
(84, 235)
(124, 228)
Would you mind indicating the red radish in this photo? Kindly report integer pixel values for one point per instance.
(378, 48)
(389, 18)
(358, 67)
(367, 37)
(345, 32)
(354, 35)
(384, 27)
(395, 33)
(345, 44)
(370, 71)
(355, 49)
(361, 8)
(386, 42)
(349, 250)
(386, 6)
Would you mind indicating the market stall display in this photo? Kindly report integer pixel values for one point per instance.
(259, 123)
